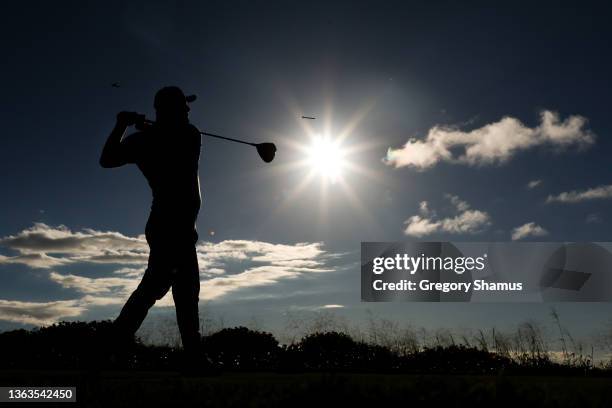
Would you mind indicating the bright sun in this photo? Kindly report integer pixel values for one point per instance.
(326, 157)
(330, 159)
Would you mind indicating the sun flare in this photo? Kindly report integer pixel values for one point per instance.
(326, 157)
(330, 164)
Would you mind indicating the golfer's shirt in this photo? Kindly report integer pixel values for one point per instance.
(169, 158)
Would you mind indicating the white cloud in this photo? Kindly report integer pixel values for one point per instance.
(130, 272)
(259, 276)
(530, 229)
(466, 221)
(122, 286)
(39, 313)
(576, 196)
(33, 260)
(419, 226)
(533, 184)
(258, 251)
(43, 246)
(332, 306)
(279, 261)
(43, 238)
(494, 143)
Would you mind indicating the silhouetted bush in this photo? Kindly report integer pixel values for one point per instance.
(62, 345)
(77, 345)
(333, 351)
(329, 351)
(242, 348)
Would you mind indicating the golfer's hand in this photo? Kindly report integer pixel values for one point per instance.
(127, 118)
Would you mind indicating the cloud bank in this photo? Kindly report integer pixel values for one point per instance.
(494, 143)
(225, 267)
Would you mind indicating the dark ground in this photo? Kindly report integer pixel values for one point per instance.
(156, 388)
(322, 369)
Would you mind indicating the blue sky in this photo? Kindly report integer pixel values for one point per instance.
(407, 71)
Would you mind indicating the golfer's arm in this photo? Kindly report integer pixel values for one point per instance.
(112, 153)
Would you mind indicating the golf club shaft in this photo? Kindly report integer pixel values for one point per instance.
(227, 138)
(150, 122)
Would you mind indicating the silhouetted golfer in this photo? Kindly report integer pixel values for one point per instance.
(167, 153)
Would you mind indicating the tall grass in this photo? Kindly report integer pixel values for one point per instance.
(531, 342)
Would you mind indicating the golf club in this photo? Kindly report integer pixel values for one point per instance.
(266, 151)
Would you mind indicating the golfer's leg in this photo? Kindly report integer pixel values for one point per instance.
(186, 291)
(153, 286)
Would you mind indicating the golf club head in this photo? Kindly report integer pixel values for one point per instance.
(266, 151)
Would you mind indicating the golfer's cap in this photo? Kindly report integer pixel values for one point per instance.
(171, 96)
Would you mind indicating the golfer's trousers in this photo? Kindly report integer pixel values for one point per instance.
(173, 263)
